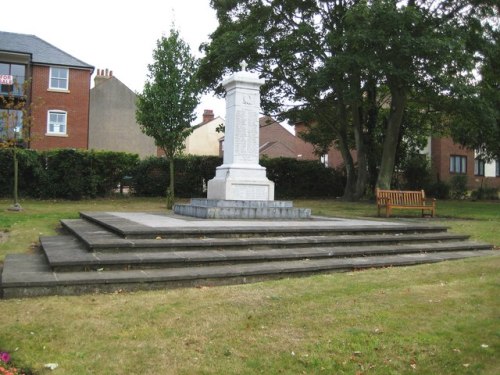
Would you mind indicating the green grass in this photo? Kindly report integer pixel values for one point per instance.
(431, 319)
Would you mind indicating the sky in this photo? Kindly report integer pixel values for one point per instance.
(118, 35)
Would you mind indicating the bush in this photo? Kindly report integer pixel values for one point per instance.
(458, 187)
(485, 193)
(292, 178)
(30, 173)
(150, 177)
(416, 173)
(65, 174)
(303, 179)
(439, 190)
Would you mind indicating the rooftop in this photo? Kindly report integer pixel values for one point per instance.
(41, 52)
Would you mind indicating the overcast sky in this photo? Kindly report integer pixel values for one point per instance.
(116, 34)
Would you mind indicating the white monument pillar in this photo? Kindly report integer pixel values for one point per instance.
(240, 177)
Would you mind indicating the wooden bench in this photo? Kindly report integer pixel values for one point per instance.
(404, 199)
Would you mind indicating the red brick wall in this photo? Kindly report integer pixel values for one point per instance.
(306, 149)
(442, 149)
(271, 131)
(75, 103)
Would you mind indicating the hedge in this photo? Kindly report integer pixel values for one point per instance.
(76, 174)
(65, 174)
(292, 178)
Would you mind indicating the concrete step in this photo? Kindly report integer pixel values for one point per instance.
(135, 251)
(98, 239)
(27, 275)
(67, 253)
(125, 227)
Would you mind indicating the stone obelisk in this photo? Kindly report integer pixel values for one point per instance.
(240, 177)
(240, 188)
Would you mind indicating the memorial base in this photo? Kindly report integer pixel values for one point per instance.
(241, 209)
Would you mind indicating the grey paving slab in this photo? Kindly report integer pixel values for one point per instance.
(99, 255)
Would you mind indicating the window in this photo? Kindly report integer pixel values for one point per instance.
(59, 78)
(57, 123)
(12, 77)
(11, 123)
(479, 167)
(458, 164)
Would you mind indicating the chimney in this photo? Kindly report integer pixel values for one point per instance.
(102, 75)
(208, 115)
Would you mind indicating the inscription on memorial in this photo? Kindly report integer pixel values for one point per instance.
(251, 192)
(246, 146)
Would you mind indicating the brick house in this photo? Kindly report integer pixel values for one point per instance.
(449, 159)
(59, 89)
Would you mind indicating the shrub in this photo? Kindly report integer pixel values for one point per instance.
(439, 190)
(66, 174)
(30, 173)
(458, 187)
(485, 193)
(416, 173)
(292, 178)
(150, 177)
(303, 179)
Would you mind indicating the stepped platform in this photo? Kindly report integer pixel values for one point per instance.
(110, 251)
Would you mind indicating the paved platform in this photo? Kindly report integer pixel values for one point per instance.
(109, 251)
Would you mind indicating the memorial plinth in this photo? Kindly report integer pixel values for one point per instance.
(240, 188)
(240, 177)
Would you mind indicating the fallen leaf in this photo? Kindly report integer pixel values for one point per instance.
(484, 346)
(466, 364)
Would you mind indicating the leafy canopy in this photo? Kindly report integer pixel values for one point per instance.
(165, 108)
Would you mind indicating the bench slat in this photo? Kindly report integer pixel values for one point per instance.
(404, 200)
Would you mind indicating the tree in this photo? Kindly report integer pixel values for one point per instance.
(165, 108)
(15, 123)
(355, 65)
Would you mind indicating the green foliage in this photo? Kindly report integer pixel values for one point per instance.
(152, 175)
(66, 174)
(371, 73)
(458, 187)
(30, 172)
(439, 190)
(165, 108)
(416, 172)
(292, 178)
(300, 179)
(485, 193)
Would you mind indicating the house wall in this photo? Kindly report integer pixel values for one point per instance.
(204, 140)
(75, 102)
(305, 150)
(274, 140)
(443, 148)
(112, 124)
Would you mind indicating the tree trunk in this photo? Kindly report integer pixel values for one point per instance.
(362, 175)
(398, 103)
(350, 184)
(170, 190)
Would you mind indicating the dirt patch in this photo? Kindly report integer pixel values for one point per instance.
(3, 236)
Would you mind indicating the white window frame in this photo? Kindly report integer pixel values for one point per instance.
(63, 124)
(458, 164)
(65, 80)
(479, 167)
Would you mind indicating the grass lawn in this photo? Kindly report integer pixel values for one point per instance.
(432, 319)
